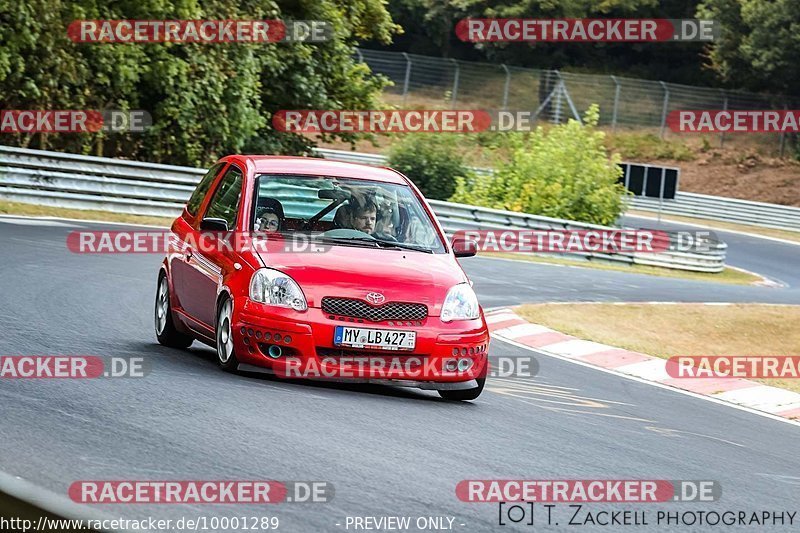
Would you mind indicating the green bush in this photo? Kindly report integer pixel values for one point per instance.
(432, 161)
(562, 172)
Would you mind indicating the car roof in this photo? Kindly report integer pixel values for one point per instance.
(271, 164)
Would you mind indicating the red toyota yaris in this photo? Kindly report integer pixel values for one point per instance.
(308, 268)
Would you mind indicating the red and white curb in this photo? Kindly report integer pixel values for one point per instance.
(507, 325)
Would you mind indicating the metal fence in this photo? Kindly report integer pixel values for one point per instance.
(98, 183)
(423, 81)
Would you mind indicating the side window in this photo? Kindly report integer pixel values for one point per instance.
(225, 202)
(202, 188)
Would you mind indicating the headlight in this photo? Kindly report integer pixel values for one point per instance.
(273, 287)
(460, 304)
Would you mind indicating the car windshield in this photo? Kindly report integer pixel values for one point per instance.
(345, 211)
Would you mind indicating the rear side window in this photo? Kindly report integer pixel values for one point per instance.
(202, 188)
(225, 202)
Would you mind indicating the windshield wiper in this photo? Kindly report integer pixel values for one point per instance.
(388, 244)
(378, 243)
(402, 246)
(359, 241)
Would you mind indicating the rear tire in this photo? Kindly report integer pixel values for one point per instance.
(463, 394)
(166, 333)
(226, 355)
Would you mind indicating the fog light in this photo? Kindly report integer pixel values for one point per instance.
(464, 365)
(451, 365)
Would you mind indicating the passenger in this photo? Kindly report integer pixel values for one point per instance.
(384, 226)
(270, 217)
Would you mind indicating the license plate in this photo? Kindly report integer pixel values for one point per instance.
(384, 339)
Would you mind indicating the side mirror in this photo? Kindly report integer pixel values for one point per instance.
(214, 224)
(464, 248)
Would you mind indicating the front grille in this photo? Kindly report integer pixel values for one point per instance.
(346, 353)
(361, 309)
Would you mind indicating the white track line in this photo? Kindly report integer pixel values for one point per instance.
(31, 217)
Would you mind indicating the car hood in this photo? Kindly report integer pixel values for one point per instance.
(352, 272)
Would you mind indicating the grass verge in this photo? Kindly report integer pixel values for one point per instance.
(729, 275)
(16, 208)
(680, 329)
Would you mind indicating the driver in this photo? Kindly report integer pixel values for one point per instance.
(363, 215)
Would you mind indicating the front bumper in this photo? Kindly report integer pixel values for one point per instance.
(305, 342)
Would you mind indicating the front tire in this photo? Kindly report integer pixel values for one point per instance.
(166, 333)
(226, 355)
(463, 394)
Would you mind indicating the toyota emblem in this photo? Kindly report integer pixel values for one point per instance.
(375, 298)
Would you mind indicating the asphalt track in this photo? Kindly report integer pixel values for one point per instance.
(387, 451)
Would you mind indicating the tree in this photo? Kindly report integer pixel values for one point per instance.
(206, 100)
(759, 43)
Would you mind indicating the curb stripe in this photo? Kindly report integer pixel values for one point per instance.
(544, 339)
(615, 358)
(736, 392)
(575, 348)
(710, 386)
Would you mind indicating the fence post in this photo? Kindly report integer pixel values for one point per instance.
(456, 74)
(616, 104)
(505, 89)
(557, 116)
(407, 79)
(661, 194)
(724, 108)
(628, 176)
(664, 108)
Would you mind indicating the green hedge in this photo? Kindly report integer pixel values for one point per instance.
(431, 161)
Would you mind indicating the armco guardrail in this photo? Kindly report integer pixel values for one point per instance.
(455, 217)
(27, 507)
(83, 182)
(725, 209)
(687, 204)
